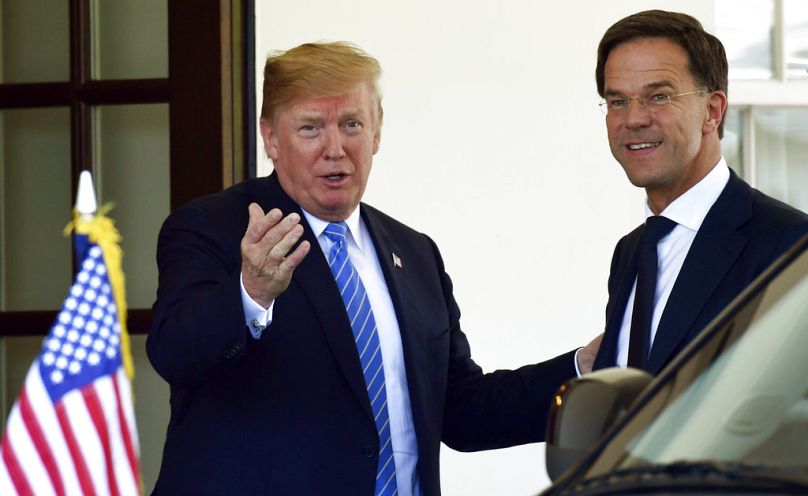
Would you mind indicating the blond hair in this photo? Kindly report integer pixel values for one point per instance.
(318, 69)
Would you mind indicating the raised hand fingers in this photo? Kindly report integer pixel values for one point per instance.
(293, 259)
(266, 261)
(279, 238)
(259, 223)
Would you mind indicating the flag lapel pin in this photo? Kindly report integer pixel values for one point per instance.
(397, 261)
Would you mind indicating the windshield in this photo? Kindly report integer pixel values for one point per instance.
(740, 397)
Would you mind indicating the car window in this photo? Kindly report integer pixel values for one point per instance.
(740, 397)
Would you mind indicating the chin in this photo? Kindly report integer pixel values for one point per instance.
(641, 180)
(336, 211)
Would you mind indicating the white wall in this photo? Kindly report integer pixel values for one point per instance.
(494, 146)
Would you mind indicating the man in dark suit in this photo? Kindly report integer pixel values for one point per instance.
(321, 352)
(664, 84)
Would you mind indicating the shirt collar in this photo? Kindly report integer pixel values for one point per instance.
(353, 221)
(690, 209)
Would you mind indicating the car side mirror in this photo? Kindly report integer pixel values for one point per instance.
(583, 409)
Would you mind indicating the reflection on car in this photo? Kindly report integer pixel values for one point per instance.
(729, 415)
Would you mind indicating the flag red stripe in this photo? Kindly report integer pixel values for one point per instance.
(85, 481)
(40, 442)
(97, 416)
(13, 467)
(127, 437)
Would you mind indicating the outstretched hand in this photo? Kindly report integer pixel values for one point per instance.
(266, 262)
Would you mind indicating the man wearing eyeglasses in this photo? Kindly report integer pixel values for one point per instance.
(707, 233)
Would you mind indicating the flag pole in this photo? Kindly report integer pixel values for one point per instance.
(99, 229)
(72, 430)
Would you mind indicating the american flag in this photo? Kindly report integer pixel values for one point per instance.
(72, 429)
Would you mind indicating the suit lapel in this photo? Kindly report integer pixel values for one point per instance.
(401, 278)
(313, 278)
(715, 248)
(386, 248)
(398, 271)
(627, 270)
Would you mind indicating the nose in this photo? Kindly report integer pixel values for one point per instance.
(638, 114)
(332, 144)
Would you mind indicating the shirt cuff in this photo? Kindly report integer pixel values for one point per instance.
(575, 359)
(257, 317)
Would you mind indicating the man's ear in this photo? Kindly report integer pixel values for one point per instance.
(270, 139)
(716, 107)
(377, 139)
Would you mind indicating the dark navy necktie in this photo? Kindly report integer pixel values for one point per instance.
(366, 336)
(656, 228)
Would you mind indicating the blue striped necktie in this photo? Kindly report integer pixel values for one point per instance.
(367, 345)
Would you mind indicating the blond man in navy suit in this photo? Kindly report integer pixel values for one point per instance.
(252, 334)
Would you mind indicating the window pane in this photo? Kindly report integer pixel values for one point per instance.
(796, 34)
(35, 41)
(151, 411)
(132, 159)
(746, 28)
(16, 356)
(781, 145)
(35, 206)
(731, 143)
(130, 39)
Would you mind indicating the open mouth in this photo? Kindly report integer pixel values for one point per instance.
(642, 146)
(335, 177)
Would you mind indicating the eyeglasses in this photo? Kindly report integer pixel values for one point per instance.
(654, 103)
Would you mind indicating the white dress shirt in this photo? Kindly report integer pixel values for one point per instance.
(688, 211)
(363, 256)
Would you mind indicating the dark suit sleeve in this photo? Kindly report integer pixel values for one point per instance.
(614, 277)
(498, 409)
(198, 316)
(791, 235)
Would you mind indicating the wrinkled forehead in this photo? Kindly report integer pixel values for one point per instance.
(329, 106)
(646, 64)
(360, 101)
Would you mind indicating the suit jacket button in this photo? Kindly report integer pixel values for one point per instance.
(368, 451)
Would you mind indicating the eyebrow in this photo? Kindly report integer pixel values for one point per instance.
(310, 117)
(648, 87)
(660, 84)
(352, 114)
